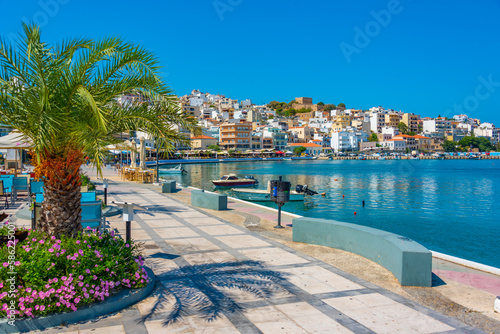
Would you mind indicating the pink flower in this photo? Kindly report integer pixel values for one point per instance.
(41, 242)
(87, 271)
(51, 250)
(80, 277)
(5, 264)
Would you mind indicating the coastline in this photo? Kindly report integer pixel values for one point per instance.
(368, 157)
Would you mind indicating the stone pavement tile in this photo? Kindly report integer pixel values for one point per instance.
(160, 265)
(158, 327)
(160, 306)
(219, 325)
(243, 241)
(383, 316)
(205, 221)
(242, 296)
(316, 279)
(270, 320)
(189, 214)
(176, 232)
(155, 215)
(139, 235)
(219, 230)
(273, 256)
(191, 245)
(212, 257)
(104, 330)
(161, 223)
(311, 319)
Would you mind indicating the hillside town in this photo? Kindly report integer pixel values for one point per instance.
(321, 129)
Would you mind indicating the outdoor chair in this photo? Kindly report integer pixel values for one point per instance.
(20, 183)
(2, 192)
(89, 196)
(8, 183)
(92, 215)
(35, 187)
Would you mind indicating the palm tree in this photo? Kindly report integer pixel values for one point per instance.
(68, 100)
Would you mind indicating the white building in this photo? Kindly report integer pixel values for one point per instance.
(436, 126)
(397, 145)
(347, 141)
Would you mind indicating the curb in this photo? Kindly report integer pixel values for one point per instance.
(113, 304)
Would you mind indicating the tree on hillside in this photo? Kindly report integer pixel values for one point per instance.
(373, 137)
(329, 107)
(320, 104)
(64, 99)
(403, 128)
(341, 105)
(299, 150)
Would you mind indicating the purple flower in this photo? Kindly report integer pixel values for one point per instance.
(87, 271)
(80, 277)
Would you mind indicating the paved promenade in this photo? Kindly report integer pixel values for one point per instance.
(214, 276)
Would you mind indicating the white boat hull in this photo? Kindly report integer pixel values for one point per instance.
(263, 195)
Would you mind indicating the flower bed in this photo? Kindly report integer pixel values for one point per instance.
(57, 275)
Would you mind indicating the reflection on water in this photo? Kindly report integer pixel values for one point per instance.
(447, 205)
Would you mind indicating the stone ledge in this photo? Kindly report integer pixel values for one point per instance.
(112, 304)
(410, 262)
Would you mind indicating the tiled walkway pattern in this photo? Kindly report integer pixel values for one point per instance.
(215, 277)
(210, 269)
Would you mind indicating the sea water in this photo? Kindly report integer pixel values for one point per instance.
(449, 206)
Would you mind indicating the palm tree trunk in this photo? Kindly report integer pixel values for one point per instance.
(61, 209)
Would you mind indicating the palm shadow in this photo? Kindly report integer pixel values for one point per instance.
(205, 290)
(152, 209)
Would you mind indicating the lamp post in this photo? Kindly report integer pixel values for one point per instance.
(105, 186)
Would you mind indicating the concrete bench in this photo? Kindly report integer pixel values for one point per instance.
(410, 262)
(208, 200)
(168, 186)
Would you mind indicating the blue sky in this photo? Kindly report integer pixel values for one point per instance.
(427, 57)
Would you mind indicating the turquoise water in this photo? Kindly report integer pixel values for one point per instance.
(449, 206)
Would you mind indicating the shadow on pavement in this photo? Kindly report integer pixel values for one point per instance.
(205, 290)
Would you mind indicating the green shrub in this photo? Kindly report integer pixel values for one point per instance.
(57, 275)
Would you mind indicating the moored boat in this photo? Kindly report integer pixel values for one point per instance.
(261, 195)
(232, 180)
(175, 170)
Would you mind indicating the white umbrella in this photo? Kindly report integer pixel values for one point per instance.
(142, 154)
(133, 155)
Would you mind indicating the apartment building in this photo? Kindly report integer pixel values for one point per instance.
(236, 135)
(303, 134)
(411, 121)
(392, 120)
(202, 142)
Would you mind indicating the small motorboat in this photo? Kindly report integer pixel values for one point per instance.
(287, 159)
(260, 195)
(175, 170)
(232, 180)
